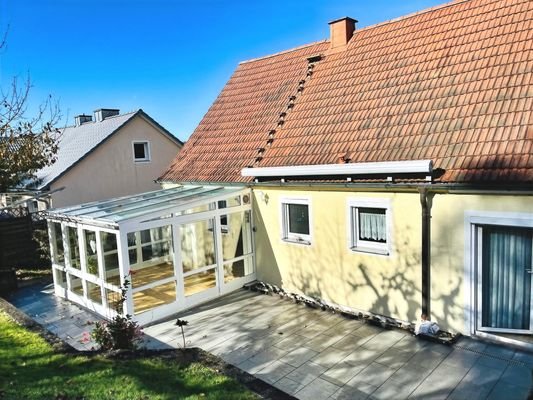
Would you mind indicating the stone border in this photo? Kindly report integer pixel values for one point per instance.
(442, 337)
(193, 354)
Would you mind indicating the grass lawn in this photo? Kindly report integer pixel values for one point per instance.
(30, 369)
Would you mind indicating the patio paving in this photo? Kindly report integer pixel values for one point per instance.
(312, 354)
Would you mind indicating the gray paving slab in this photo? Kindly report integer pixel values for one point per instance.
(317, 389)
(274, 371)
(374, 374)
(288, 385)
(341, 373)
(392, 389)
(307, 373)
(298, 356)
(314, 354)
(360, 392)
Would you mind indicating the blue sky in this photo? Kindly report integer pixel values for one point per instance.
(170, 58)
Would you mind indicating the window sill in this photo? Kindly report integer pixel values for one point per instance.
(369, 250)
(142, 161)
(297, 241)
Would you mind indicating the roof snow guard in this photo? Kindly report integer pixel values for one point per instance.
(117, 211)
(368, 168)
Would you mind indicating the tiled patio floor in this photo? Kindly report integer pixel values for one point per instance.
(315, 355)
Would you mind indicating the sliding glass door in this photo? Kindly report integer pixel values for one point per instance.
(505, 279)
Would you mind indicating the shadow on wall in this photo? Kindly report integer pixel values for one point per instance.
(269, 271)
(384, 289)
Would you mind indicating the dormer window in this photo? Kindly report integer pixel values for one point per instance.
(141, 151)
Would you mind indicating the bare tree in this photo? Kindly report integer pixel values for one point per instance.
(27, 144)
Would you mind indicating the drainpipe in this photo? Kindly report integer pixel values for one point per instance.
(425, 201)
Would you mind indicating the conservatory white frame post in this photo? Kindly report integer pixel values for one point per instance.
(219, 250)
(124, 269)
(83, 262)
(178, 270)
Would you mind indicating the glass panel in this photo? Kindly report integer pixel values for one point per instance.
(94, 293)
(132, 239)
(199, 282)
(506, 294)
(74, 248)
(113, 299)
(238, 239)
(155, 250)
(156, 262)
(238, 269)
(91, 255)
(151, 298)
(109, 246)
(197, 245)
(372, 224)
(61, 278)
(111, 270)
(298, 218)
(75, 285)
(233, 201)
(202, 208)
(58, 244)
(132, 256)
(109, 241)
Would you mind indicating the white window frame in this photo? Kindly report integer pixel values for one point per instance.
(365, 246)
(147, 151)
(286, 235)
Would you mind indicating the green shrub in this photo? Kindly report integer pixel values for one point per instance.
(121, 332)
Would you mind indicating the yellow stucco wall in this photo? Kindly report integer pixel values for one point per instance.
(327, 268)
(110, 171)
(389, 285)
(448, 241)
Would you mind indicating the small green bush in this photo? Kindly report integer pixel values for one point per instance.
(121, 333)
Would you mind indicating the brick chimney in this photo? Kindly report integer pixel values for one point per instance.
(341, 31)
(103, 113)
(82, 118)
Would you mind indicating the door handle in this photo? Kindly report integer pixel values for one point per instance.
(529, 271)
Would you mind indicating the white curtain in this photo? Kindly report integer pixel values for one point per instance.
(372, 225)
(506, 283)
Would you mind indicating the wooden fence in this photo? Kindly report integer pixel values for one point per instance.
(17, 246)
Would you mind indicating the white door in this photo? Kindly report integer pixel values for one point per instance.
(504, 271)
(199, 261)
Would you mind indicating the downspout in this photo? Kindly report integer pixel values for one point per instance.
(425, 201)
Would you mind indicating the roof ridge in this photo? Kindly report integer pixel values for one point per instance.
(390, 21)
(413, 14)
(105, 119)
(284, 51)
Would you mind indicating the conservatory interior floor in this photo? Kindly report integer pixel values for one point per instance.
(150, 298)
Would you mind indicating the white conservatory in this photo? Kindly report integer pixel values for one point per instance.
(178, 248)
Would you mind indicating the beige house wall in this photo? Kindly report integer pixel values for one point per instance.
(110, 170)
(388, 285)
(328, 268)
(448, 282)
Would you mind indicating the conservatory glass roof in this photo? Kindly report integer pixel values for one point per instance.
(121, 209)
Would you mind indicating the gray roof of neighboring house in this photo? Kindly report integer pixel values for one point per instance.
(76, 142)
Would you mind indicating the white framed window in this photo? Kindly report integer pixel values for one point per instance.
(296, 220)
(370, 225)
(141, 151)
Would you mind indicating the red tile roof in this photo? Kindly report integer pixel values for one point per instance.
(452, 84)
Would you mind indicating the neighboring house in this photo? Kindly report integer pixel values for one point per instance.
(390, 170)
(114, 155)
